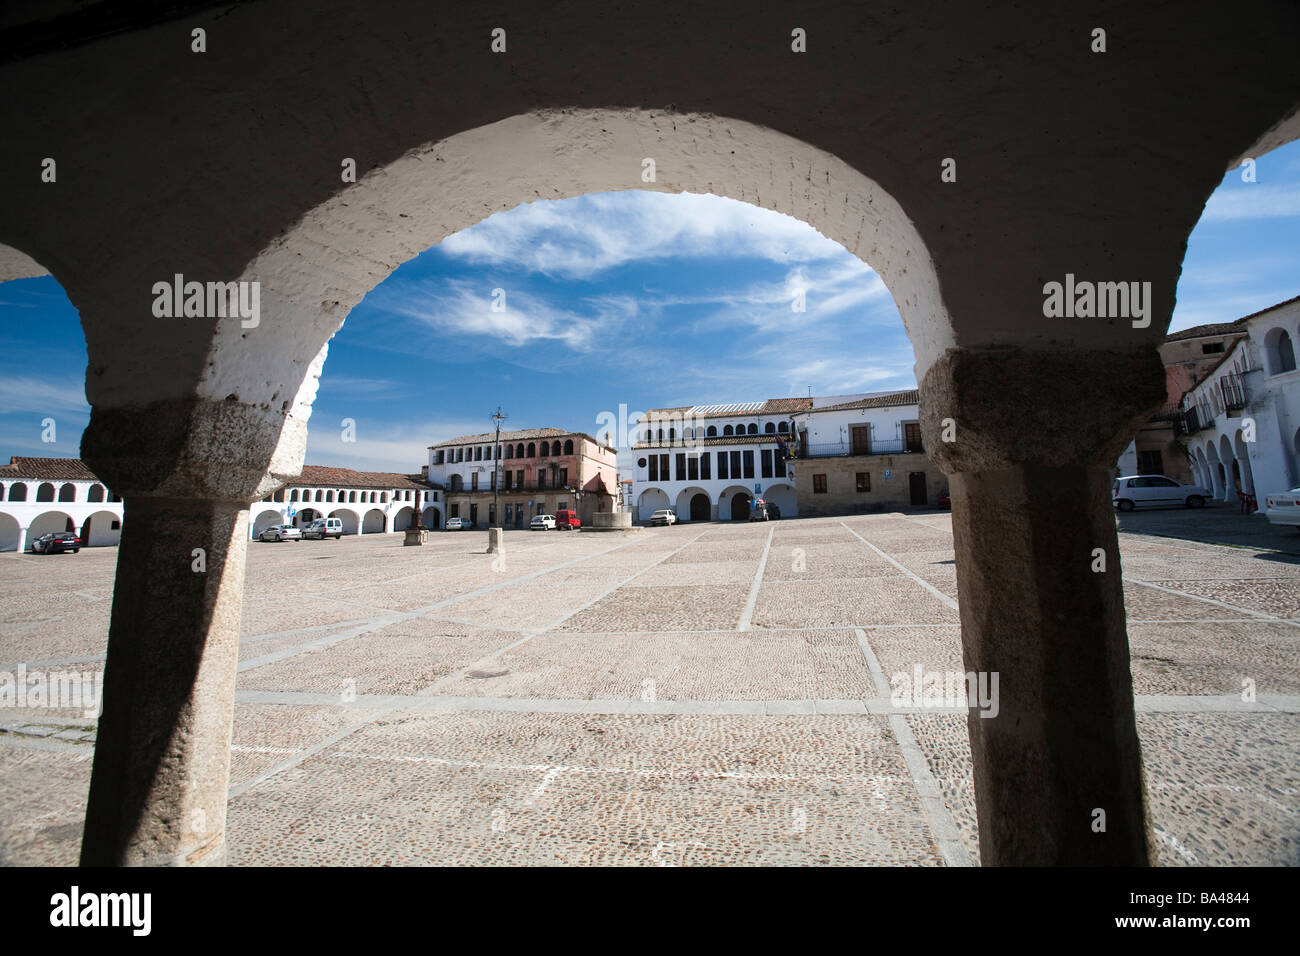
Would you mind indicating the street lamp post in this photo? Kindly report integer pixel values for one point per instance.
(495, 533)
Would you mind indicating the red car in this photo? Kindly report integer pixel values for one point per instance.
(567, 519)
(944, 500)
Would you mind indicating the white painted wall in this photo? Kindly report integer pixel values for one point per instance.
(21, 522)
(1271, 463)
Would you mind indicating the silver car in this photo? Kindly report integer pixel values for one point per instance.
(280, 532)
(1155, 491)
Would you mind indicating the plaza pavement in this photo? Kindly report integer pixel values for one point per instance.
(699, 694)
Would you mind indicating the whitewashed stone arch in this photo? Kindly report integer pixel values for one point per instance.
(311, 277)
(650, 501)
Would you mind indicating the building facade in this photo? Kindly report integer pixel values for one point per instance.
(809, 456)
(542, 470)
(863, 454)
(367, 502)
(1240, 423)
(1188, 356)
(43, 495)
(709, 462)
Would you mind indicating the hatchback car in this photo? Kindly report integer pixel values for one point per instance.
(664, 516)
(457, 524)
(280, 532)
(56, 542)
(1283, 507)
(542, 523)
(1155, 491)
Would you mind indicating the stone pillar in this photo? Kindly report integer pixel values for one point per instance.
(187, 472)
(1229, 482)
(22, 539)
(1036, 438)
(1216, 485)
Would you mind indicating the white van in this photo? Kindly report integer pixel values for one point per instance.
(324, 528)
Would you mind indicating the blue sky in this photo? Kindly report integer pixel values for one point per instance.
(635, 298)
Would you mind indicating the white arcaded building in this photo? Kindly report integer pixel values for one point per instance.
(41, 495)
(709, 462)
(367, 502)
(1240, 424)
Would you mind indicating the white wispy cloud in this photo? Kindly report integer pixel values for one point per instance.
(458, 308)
(385, 446)
(595, 233)
(1252, 201)
(355, 385)
(43, 396)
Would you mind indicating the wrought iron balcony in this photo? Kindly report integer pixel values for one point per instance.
(893, 446)
(1234, 392)
(1191, 421)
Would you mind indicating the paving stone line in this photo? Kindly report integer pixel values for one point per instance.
(329, 741)
(747, 615)
(908, 571)
(458, 675)
(1258, 615)
(1152, 704)
(927, 789)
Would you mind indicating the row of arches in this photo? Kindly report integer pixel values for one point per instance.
(46, 491)
(1223, 466)
(372, 521)
(532, 449)
(99, 529)
(541, 450)
(733, 503)
(771, 428)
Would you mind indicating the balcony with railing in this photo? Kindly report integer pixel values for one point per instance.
(1191, 421)
(841, 449)
(1233, 390)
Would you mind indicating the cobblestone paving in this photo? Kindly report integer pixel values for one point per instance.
(704, 694)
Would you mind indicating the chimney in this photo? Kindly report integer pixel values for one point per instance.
(424, 472)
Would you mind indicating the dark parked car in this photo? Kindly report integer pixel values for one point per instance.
(55, 542)
(773, 512)
(944, 500)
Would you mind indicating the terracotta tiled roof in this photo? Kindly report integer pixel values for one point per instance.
(487, 437)
(1204, 331)
(65, 469)
(1225, 328)
(909, 397)
(778, 406)
(324, 476)
(74, 469)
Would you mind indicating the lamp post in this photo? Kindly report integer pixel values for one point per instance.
(495, 532)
